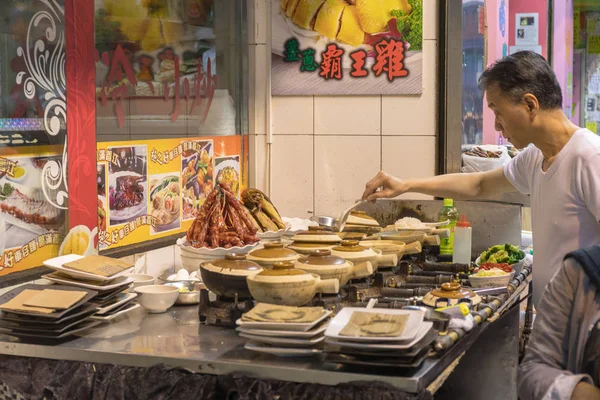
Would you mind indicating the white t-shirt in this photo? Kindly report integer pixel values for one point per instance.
(565, 202)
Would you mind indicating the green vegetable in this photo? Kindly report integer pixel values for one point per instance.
(506, 253)
(7, 190)
(411, 25)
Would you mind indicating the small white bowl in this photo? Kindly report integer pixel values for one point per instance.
(141, 280)
(157, 298)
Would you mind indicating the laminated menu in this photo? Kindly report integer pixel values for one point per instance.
(98, 265)
(55, 299)
(367, 324)
(274, 313)
(17, 303)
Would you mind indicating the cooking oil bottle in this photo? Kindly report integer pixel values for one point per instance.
(448, 213)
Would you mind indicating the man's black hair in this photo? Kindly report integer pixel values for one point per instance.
(521, 73)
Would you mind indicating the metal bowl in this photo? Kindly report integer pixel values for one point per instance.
(326, 221)
(189, 297)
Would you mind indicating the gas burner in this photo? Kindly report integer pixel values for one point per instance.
(327, 301)
(222, 311)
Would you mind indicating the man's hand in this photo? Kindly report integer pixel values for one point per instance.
(585, 391)
(384, 186)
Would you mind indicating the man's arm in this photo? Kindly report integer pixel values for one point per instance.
(457, 186)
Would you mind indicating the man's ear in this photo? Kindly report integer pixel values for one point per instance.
(532, 104)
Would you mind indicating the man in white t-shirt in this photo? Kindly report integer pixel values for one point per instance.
(559, 168)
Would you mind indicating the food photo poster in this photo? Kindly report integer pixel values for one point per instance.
(155, 188)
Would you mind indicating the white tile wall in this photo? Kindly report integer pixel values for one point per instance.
(430, 19)
(343, 164)
(292, 190)
(414, 115)
(337, 115)
(292, 115)
(398, 158)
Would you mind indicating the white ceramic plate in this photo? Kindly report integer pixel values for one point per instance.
(110, 317)
(271, 235)
(290, 334)
(414, 321)
(57, 263)
(423, 330)
(283, 326)
(121, 299)
(284, 342)
(219, 251)
(281, 351)
(120, 281)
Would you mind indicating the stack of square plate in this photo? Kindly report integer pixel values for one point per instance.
(54, 324)
(112, 299)
(389, 338)
(282, 336)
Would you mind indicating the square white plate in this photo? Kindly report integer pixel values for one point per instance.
(423, 330)
(415, 318)
(120, 281)
(283, 326)
(122, 299)
(284, 342)
(110, 317)
(58, 262)
(290, 334)
(281, 351)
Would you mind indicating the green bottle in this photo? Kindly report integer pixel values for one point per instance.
(448, 213)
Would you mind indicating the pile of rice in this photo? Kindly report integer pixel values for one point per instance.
(409, 223)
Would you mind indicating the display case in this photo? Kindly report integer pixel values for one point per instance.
(117, 117)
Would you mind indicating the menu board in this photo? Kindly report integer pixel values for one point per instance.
(155, 188)
(32, 226)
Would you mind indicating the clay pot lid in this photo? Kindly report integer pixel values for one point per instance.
(350, 246)
(237, 262)
(453, 290)
(309, 245)
(351, 235)
(322, 258)
(272, 251)
(317, 231)
(361, 214)
(283, 268)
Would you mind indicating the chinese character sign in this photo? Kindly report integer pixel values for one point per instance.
(344, 47)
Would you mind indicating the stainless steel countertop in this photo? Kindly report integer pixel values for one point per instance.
(177, 338)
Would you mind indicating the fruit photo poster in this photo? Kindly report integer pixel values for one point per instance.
(346, 47)
(155, 188)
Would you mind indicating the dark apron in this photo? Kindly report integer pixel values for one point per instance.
(591, 355)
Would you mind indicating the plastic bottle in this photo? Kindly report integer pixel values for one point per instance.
(448, 213)
(463, 235)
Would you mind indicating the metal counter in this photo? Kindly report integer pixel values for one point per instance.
(177, 338)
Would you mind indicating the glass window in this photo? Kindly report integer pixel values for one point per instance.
(170, 68)
(171, 106)
(473, 44)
